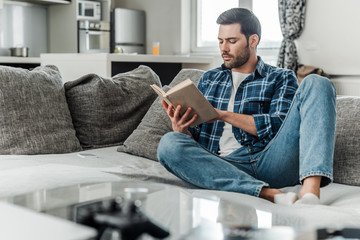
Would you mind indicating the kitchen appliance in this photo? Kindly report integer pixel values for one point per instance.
(93, 37)
(19, 52)
(128, 31)
(88, 10)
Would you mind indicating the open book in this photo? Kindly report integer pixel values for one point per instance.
(187, 95)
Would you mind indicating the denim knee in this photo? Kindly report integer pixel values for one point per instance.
(318, 84)
(168, 147)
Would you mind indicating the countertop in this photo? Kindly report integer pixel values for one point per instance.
(75, 65)
(112, 57)
(160, 58)
(9, 59)
(120, 57)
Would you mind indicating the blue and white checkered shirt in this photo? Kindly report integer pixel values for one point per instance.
(266, 94)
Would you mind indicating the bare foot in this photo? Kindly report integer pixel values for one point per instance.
(269, 193)
(311, 185)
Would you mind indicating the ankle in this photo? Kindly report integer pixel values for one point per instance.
(316, 192)
(311, 185)
(269, 193)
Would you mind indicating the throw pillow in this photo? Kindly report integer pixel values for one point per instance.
(34, 116)
(105, 111)
(146, 137)
(347, 141)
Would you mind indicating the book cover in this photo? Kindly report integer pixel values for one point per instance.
(187, 95)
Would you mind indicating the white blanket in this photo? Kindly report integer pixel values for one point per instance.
(25, 173)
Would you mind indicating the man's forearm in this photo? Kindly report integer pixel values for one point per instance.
(242, 121)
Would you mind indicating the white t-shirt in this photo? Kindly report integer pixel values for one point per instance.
(228, 142)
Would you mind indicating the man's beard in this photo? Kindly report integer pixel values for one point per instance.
(239, 60)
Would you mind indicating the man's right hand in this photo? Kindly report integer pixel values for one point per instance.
(179, 122)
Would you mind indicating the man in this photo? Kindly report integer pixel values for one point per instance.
(270, 132)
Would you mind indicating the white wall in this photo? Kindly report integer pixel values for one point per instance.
(331, 38)
(166, 21)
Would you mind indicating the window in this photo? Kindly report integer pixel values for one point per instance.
(205, 29)
(207, 13)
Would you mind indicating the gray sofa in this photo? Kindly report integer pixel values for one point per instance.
(96, 129)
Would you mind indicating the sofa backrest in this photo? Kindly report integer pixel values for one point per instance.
(347, 141)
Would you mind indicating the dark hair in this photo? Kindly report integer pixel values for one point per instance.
(250, 24)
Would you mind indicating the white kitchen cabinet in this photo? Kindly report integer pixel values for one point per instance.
(42, 2)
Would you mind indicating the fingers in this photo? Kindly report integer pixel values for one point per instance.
(184, 120)
(192, 119)
(168, 108)
(165, 105)
(170, 111)
(177, 115)
(180, 122)
(185, 117)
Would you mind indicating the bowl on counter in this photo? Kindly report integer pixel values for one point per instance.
(19, 52)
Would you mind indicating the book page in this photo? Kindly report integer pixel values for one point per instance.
(181, 85)
(158, 90)
(161, 93)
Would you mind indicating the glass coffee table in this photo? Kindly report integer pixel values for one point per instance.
(181, 213)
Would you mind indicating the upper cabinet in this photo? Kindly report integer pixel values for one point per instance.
(52, 1)
(43, 2)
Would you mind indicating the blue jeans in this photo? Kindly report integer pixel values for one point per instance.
(303, 147)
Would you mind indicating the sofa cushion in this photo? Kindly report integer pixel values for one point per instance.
(105, 111)
(145, 138)
(34, 116)
(347, 141)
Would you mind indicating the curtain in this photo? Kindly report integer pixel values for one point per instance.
(292, 21)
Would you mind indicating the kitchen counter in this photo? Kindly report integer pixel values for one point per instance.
(160, 58)
(9, 59)
(121, 57)
(73, 66)
(21, 62)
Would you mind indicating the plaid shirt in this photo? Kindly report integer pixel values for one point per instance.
(265, 94)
